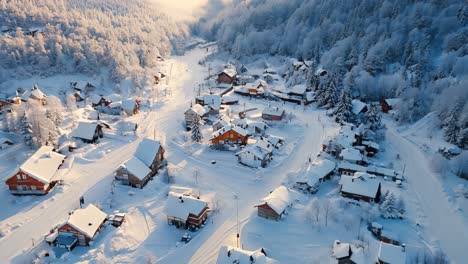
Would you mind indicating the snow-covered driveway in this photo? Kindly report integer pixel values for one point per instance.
(445, 223)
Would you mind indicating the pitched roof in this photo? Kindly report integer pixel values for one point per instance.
(389, 253)
(254, 150)
(274, 111)
(231, 72)
(198, 109)
(87, 220)
(213, 100)
(317, 170)
(265, 144)
(82, 85)
(43, 164)
(223, 120)
(298, 89)
(35, 91)
(340, 249)
(147, 151)
(136, 167)
(85, 130)
(393, 101)
(351, 154)
(275, 140)
(361, 184)
(279, 199)
(256, 84)
(242, 256)
(358, 106)
(181, 206)
(226, 129)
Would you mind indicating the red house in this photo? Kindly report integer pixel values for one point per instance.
(185, 211)
(274, 206)
(230, 135)
(273, 113)
(81, 227)
(37, 174)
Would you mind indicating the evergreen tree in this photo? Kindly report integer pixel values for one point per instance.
(373, 118)
(25, 130)
(344, 107)
(196, 134)
(327, 95)
(451, 130)
(389, 207)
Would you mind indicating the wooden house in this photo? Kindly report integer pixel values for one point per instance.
(185, 211)
(145, 163)
(88, 132)
(228, 75)
(256, 89)
(37, 175)
(391, 254)
(254, 156)
(211, 102)
(358, 107)
(194, 114)
(316, 173)
(346, 253)
(361, 186)
(35, 94)
(221, 121)
(82, 226)
(229, 135)
(389, 104)
(78, 97)
(130, 107)
(352, 155)
(82, 86)
(274, 206)
(98, 100)
(273, 113)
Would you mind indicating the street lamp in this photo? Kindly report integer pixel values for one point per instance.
(236, 197)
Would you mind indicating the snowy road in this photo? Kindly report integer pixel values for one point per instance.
(444, 222)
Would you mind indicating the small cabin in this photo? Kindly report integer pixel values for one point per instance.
(230, 135)
(228, 75)
(361, 186)
(273, 113)
(88, 132)
(273, 207)
(194, 114)
(130, 107)
(185, 211)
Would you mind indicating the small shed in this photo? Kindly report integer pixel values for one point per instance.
(389, 104)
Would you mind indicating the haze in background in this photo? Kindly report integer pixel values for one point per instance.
(181, 10)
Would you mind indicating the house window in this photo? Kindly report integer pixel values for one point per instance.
(18, 176)
(232, 135)
(24, 177)
(33, 188)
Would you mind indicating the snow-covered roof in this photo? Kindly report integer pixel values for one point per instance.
(128, 104)
(228, 99)
(87, 220)
(181, 206)
(389, 253)
(392, 101)
(317, 170)
(279, 199)
(298, 89)
(95, 99)
(340, 249)
(198, 109)
(256, 84)
(275, 140)
(358, 106)
(350, 166)
(371, 144)
(82, 84)
(273, 111)
(310, 96)
(147, 151)
(231, 72)
(351, 154)
(4, 141)
(255, 150)
(226, 129)
(223, 120)
(117, 104)
(35, 91)
(43, 164)
(113, 97)
(242, 122)
(381, 170)
(230, 255)
(85, 130)
(136, 167)
(361, 184)
(265, 144)
(213, 100)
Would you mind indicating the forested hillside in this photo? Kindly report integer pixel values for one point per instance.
(121, 38)
(416, 50)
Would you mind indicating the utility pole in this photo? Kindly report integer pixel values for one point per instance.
(236, 197)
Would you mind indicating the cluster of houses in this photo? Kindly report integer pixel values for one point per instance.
(348, 253)
(23, 96)
(228, 254)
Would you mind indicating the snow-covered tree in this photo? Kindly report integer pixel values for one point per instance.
(373, 118)
(344, 107)
(25, 129)
(327, 95)
(390, 206)
(452, 130)
(196, 133)
(71, 102)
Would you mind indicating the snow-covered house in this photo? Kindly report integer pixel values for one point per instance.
(81, 227)
(145, 163)
(352, 155)
(78, 96)
(358, 107)
(371, 148)
(230, 255)
(98, 100)
(212, 102)
(193, 114)
(257, 127)
(130, 107)
(221, 121)
(273, 113)
(389, 104)
(228, 75)
(229, 135)
(275, 140)
(254, 156)
(256, 88)
(4, 143)
(240, 122)
(274, 206)
(391, 254)
(315, 174)
(82, 86)
(297, 90)
(361, 186)
(346, 253)
(37, 175)
(185, 211)
(229, 100)
(35, 94)
(88, 132)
